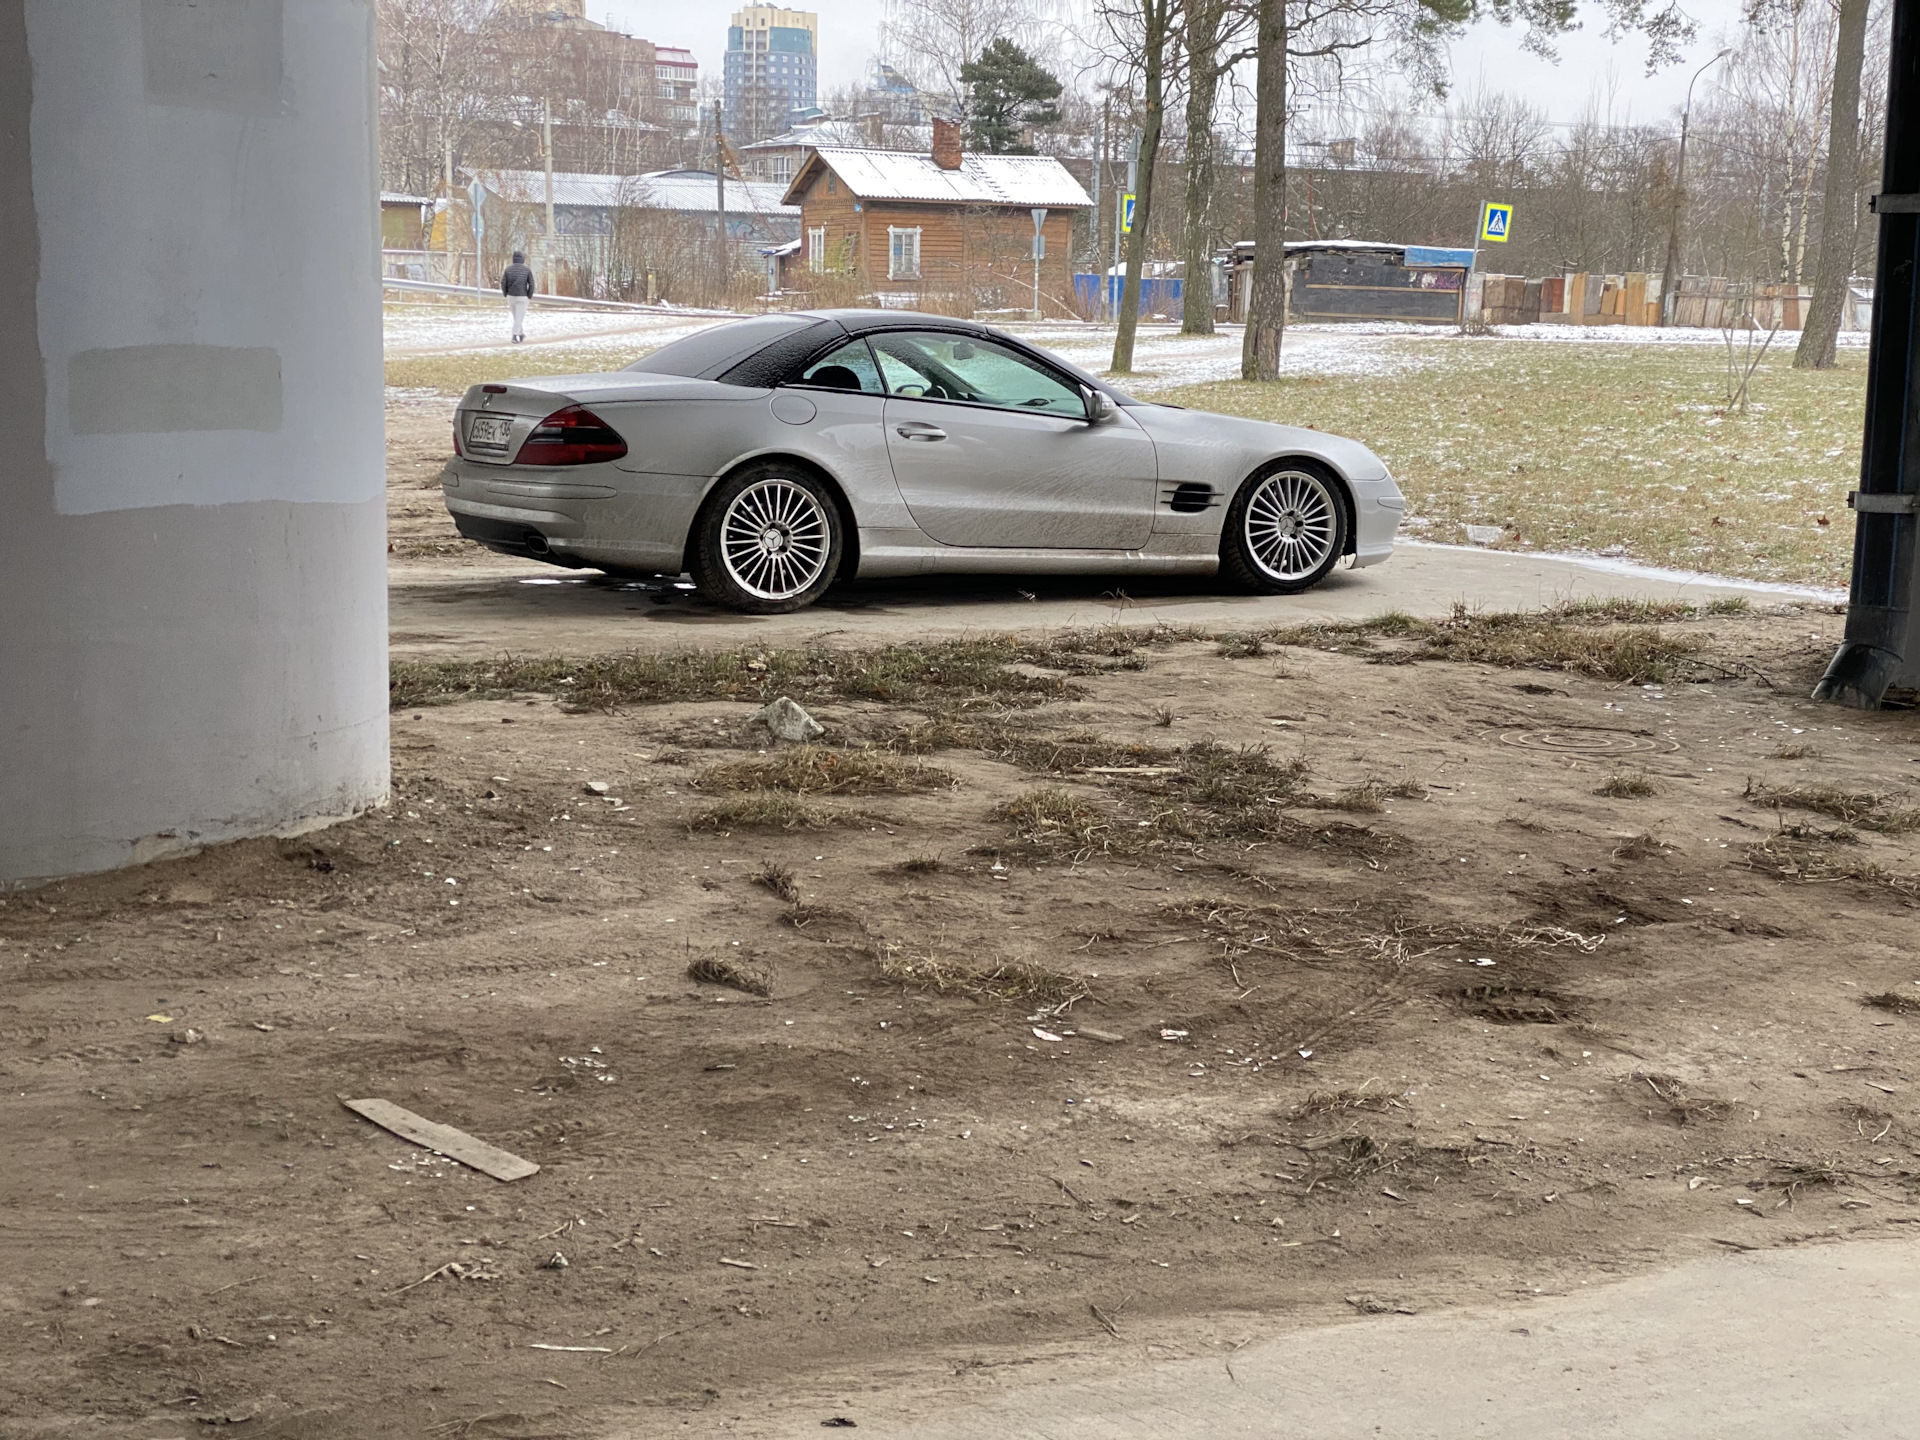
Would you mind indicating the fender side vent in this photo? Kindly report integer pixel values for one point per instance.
(1190, 498)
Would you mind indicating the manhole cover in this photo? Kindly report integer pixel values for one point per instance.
(1584, 743)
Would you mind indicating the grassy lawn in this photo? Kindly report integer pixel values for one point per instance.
(1622, 449)
(452, 374)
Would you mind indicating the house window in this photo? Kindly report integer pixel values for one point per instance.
(903, 253)
(817, 249)
(783, 167)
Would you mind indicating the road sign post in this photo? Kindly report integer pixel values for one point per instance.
(1039, 253)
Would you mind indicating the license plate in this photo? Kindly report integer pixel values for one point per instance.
(489, 432)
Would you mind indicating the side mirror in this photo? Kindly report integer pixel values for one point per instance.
(1099, 404)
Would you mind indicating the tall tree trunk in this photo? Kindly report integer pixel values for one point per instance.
(1840, 215)
(1155, 17)
(1203, 83)
(1267, 307)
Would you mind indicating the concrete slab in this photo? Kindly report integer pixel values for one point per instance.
(1773, 1345)
(455, 610)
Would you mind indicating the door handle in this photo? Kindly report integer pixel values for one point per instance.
(919, 430)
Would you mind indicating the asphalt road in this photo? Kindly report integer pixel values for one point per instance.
(491, 607)
(1774, 1345)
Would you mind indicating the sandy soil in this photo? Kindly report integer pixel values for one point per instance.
(1501, 1035)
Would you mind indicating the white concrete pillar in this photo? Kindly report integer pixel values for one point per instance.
(192, 518)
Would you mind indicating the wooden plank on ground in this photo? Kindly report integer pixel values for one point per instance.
(444, 1140)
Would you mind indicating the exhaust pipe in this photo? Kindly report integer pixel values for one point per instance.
(537, 544)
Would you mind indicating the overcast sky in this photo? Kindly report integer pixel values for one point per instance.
(1588, 67)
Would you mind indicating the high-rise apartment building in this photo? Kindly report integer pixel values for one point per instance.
(772, 69)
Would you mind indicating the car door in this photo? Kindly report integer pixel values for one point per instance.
(990, 447)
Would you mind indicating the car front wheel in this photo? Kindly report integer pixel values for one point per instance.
(1284, 531)
(768, 541)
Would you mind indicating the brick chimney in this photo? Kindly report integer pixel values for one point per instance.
(946, 144)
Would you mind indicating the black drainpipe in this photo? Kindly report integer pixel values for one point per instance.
(1882, 645)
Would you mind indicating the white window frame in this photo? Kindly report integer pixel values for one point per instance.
(901, 266)
(817, 249)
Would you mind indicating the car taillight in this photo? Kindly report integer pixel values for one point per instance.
(573, 436)
(456, 437)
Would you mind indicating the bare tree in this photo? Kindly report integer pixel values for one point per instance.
(1840, 209)
(929, 40)
(1150, 30)
(1267, 305)
(1211, 27)
(435, 57)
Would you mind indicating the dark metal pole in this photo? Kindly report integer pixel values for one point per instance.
(1882, 645)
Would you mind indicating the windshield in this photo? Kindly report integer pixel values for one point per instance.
(706, 353)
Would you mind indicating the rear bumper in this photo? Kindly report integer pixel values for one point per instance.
(584, 515)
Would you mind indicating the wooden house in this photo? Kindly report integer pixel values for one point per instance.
(944, 230)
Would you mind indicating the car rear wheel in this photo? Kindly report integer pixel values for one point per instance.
(767, 541)
(1284, 531)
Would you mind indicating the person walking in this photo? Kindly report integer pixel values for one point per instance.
(516, 283)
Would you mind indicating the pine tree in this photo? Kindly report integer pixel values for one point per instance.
(1008, 92)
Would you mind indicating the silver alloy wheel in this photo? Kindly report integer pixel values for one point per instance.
(775, 539)
(1291, 524)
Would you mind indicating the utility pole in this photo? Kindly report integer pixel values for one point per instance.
(1670, 276)
(1120, 219)
(546, 145)
(1099, 164)
(1882, 645)
(720, 181)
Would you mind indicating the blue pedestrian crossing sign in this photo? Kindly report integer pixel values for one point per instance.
(1496, 222)
(1126, 214)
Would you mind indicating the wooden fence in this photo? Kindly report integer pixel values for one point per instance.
(1709, 301)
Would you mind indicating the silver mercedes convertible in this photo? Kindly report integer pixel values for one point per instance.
(771, 456)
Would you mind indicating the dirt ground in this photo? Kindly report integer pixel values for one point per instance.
(1391, 1011)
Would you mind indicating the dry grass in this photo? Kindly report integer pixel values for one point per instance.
(1617, 639)
(1799, 750)
(767, 810)
(813, 770)
(1867, 809)
(1816, 862)
(1017, 980)
(1601, 447)
(1673, 1101)
(1340, 1102)
(1643, 847)
(780, 879)
(1052, 817)
(718, 970)
(948, 672)
(1893, 1000)
(1626, 785)
(920, 864)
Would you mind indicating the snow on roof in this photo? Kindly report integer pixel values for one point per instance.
(838, 134)
(392, 197)
(686, 191)
(1030, 180)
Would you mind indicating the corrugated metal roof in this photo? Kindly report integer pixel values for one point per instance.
(685, 191)
(981, 179)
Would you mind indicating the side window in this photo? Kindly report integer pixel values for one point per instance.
(935, 366)
(850, 367)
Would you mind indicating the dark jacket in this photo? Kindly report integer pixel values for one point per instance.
(517, 280)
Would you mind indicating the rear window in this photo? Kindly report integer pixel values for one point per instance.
(705, 353)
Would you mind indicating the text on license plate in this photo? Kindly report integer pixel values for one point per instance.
(489, 432)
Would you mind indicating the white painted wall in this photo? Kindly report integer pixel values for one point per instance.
(192, 558)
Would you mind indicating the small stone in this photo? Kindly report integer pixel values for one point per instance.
(1105, 1037)
(186, 1037)
(598, 787)
(788, 721)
